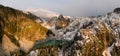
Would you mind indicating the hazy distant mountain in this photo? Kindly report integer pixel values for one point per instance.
(43, 13)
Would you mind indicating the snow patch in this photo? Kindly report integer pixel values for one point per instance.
(33, 53)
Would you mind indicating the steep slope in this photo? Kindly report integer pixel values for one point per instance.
(18, 30)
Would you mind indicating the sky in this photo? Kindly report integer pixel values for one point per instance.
(75, 8)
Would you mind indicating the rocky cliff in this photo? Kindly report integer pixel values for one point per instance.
(18, 32)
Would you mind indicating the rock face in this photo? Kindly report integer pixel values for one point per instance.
(18, 31)
(95, 43)
(61, 22)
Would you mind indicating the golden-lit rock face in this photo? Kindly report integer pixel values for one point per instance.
(16, 25)
(31, 31)
(19, 24)
(62, 24)
(95, 44)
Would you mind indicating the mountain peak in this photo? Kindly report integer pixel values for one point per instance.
(43, 13)
(117, 10)
(60, 17)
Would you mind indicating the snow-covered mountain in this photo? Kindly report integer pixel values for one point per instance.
(20, 35)
(99, 35)
(43, 13)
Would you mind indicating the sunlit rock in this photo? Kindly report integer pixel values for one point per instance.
(18, 30)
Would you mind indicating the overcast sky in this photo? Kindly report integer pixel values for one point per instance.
(67, 7)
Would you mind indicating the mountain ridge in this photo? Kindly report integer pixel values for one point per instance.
(18, 29)
(85, 36)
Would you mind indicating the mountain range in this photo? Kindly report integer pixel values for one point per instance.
(40, 32)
